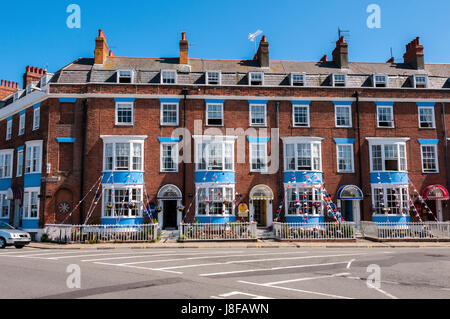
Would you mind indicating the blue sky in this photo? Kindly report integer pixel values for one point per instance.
(35, 32)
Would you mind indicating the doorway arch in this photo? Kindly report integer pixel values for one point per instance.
(349, 198)
(169, 198)
(261, 197)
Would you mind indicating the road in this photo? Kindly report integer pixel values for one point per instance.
(227, 273)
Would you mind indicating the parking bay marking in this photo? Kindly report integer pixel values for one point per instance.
(256, 260)
(205, 257)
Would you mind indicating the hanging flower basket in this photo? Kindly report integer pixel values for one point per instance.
(180, 208)
(317, 204)
(109, 205)
(158, 209)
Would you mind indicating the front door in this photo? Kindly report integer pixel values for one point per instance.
(347, 210)
(260, 208)
(170, 214)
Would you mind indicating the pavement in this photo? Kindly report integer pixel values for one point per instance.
(359, 243)
(268, 272)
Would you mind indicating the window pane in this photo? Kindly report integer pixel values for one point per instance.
(301, 116)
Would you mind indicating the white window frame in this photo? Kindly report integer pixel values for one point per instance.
(316, 195)
(4, 165)
(175, 157)
(349, 107)
(222, 114)
(162, 114)
(386, 141)
(129, 189)
(308, 119)
(209, 139)
(9, 129)
(334, 82)
(36, 118)
(207, 187)
(392, 113)
(433, 118)
(414, 78)
(265, 114)
(352, 153)
(164, 72)
(22, 119)
(384, 188)
(3, 195)
(250, 76)
(29, 161)
(294, 83)
(123, 139)
(375, 82)
(264, 159)
(129, 104)
(131, 77)
(27, 201)
(20, 153)
(302, 140)
(436, 158)
(219, 77)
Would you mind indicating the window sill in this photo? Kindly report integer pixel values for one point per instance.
(124, 125)
(168, 172)
(343, 127)
(168, 125)
(300, 126)
(427, 128)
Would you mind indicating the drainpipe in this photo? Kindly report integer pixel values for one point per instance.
(83, 148)
(356, 95)
(280, 176)
(445, 144)
(185, 93)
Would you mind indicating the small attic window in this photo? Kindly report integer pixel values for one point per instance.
(213, 77)
(339, 80)
(420, 81)
(256, 78)
(16, 95)
(29, 88)
(168, 76)
(298, 79)
(380, 80)
(125, 76)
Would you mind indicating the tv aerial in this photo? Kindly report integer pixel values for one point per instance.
(253, 36)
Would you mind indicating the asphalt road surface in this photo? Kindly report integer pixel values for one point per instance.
(242, 273)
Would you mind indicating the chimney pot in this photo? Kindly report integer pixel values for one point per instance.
(323, 59)
(184, 49)
(183, 35)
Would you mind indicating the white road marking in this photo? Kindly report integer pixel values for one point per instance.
(206, 257)
(296, 290)
(269, 269)
(238, 293)
(384, 292)
(138, 267)
(305, 279)
(258, 260)
(152, 255)
(350, 263)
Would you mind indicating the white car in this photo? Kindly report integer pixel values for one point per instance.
(9, 236)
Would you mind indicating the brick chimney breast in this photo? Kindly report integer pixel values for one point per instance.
(101, 48)
(7, 88)
(414, 55)
(262, 55)
(32, 74)
(340, 53)
(184, 49)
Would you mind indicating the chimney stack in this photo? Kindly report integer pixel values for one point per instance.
(32, 74)
(324, 59)
(414, 54)
(7, 88)
(262, 55)
(101, 48)
(184, 49)
(340, 53)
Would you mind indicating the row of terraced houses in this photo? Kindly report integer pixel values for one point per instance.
(183, 139)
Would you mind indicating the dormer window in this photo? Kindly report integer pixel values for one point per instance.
(298, 79)
(168, 77)
(420, 81)
(125, 76)
(380, 80)
(16, 95)
(256, 78)
(339, 80)
(213, 77)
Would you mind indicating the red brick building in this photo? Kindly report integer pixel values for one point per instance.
(117, 139)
